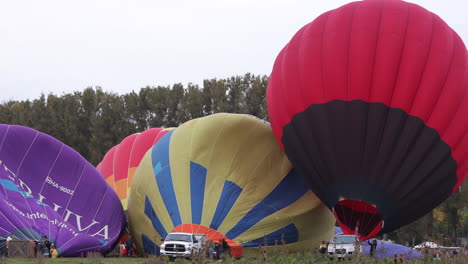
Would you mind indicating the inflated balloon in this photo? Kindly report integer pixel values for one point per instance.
(224, 175)
(370, 103)
(47, 188)
(386, 249)
(120, 162)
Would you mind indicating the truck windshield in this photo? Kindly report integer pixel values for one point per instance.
(179, 237)
(343, 240)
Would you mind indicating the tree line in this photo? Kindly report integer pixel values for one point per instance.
(93, 120)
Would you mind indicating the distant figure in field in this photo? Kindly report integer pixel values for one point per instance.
(53, 252)
(323, 247)
(129, 246)
(10, 238)
(402, 259)
(2, 246)
(373, 246)
(46, 247)
(225, 246)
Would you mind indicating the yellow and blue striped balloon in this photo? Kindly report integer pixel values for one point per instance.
(224, 174)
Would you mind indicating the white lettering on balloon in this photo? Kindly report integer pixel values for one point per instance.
(41, 199)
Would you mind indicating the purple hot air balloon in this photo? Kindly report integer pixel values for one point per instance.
(386, 249)
(47, 188)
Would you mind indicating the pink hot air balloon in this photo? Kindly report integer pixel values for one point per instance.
(120, 162)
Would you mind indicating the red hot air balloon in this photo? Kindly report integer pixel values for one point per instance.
(370, 103)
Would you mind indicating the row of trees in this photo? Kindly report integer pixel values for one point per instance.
(92, 121)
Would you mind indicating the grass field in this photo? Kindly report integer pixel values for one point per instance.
(293, 258)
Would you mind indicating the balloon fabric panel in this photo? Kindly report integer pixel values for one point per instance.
(107, 168)
(47, 188)
(201, 177)
(120, 162)
(369, 101)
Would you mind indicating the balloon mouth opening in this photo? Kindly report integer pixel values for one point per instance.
(358, 218)
(211, 235)
(123, 238)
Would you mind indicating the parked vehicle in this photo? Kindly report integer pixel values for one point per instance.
(344, 246)
(182, 245)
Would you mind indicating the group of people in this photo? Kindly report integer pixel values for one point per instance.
(42, 247)
(216, 250)
(439, 253)
(45, 248)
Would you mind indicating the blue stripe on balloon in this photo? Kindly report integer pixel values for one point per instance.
(104, 242)
(149, 211)
(197, 190)
(288, 233)
(11, 186)
(162, 172)
(148, 246)
(288, 191)
(157, 168)
(228, 198)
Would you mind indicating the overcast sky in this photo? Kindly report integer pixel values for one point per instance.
(64, 46)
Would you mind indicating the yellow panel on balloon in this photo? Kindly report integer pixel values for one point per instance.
(224, 174)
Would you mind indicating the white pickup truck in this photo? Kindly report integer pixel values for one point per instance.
(184, 245)
(344, 246)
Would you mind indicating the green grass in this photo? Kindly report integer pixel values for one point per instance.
(273, 258)
(73, 261)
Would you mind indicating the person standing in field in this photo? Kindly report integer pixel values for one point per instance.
(10, 238)
(129, 246)
(373, 246)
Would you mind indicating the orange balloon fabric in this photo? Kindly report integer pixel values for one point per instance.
(120, 162)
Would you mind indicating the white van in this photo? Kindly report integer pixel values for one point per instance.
(344, 246)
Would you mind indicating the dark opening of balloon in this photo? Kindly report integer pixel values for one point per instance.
(211, 235)
(358, 218)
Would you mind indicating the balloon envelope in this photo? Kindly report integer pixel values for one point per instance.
(386, 249)
(369, 102)
(120, 162)
(224, 175)
(47, 188)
